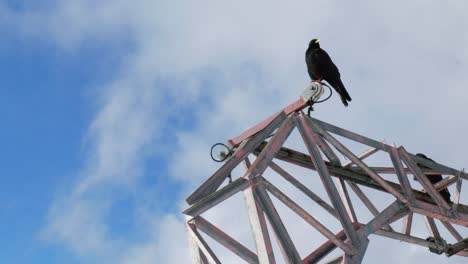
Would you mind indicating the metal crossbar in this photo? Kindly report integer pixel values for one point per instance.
(336, 176)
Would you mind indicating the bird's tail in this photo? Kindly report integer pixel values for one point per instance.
(340, 88)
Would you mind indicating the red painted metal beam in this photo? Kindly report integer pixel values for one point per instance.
(308, 136)
(306, 216)
(225, 240)
(298, 105)
(213, 183)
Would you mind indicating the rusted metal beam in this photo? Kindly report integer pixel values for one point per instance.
(341, 148)
(325, 249)
(212, 184)
(351, 135)
(402, 177)
(195, 251)
(217, 197)
(261, 163)
(357, 258)
(391, 170)
(457, 217)
(384, 147)
(303, 160)
(329, 153)
(362, 156)
(423, 180)
(337, 260)
(382, 219)
(457, 247)
(451, 179)
(258, 222)
(408, 239)
(201, 243)
(306, 216)
(259, 229)
(284, 240)
(360, 194)
(225, 240)
(456, 197)
(346, 200)
(452, 230)
(407, 223)
(318, 140)
(303, 189)
(437, 166)
(297, 105)
(432, 227)
(309, 135)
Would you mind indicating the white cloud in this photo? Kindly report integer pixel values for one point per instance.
(402, 62)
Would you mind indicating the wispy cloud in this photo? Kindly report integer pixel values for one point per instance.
(234, 64)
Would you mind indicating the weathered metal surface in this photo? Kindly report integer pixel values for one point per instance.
(407, 224)
(303, 160)
(296, 106)
(357, 258)
(360, 194)
(371, 151)
(456, 197)
(457, 217)
(195, 251)
(353, 240)
(329, 153)
(309, 135)
(217, 197)
(337, 260)
(202, 245)
(341, 148)
(431, 227)
(451, 179)
(458, 247)
(452, 230)
(382, 219)
(423, 180)
(306, 216)
(325, 249)
(259, 228)
(401, 174)
(303, 189)
(408, 239)
(346, 200)
(225, 240)
(351, 135)
(210, 185)
(269, 152)
(258, 223)
(438, 166)
(285, 242)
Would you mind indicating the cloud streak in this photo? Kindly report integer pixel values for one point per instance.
(230, 65)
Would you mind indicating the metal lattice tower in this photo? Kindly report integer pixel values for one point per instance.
(323, 143)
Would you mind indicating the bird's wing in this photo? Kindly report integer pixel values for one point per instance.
(326, 64)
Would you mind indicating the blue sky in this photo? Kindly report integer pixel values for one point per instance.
(45, 108)
(44, 117)
(109, 108)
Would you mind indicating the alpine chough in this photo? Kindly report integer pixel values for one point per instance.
(321, 67)
(434, 178)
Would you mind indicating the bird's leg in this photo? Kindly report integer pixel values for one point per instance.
(311, 108)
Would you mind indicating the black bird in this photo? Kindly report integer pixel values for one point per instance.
(321, 67)
(434, 179)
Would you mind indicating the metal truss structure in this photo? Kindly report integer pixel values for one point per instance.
(324, 142)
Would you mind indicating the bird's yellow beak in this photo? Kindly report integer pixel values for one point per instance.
(317, 41)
